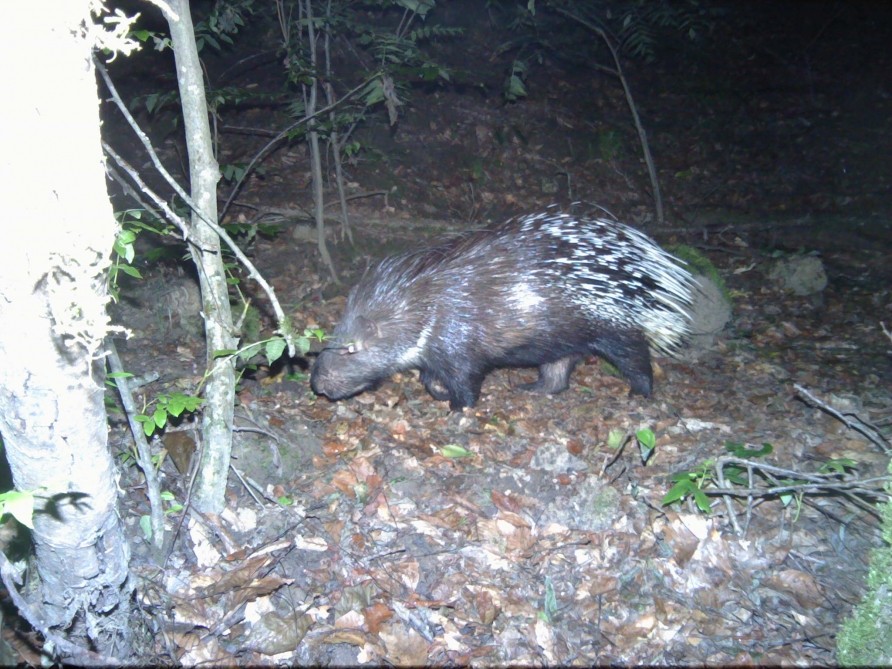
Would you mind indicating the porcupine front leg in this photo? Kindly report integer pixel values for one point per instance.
(629, 352)
(434, 385)
(460, 385)
(465, 391)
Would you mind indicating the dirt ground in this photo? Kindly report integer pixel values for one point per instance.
(383, 529)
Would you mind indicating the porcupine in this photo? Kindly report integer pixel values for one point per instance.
(541, 290)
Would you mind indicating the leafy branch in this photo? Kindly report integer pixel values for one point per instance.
(739, 476)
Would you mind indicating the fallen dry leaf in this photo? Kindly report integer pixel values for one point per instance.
(405, 646)
(375, 615)
(799, 585)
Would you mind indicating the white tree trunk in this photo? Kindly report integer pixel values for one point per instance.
(58, 233)
(210, 486)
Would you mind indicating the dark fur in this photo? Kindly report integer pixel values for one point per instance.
(490, 299)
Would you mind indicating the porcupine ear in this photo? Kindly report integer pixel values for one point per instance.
(368, 328)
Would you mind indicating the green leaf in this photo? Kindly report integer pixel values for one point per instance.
(249, 351)
(119, 375)
(515, 88)
(152, 101)
(192, 403)
(129, 270)
(318, 334)
(678, 492)
(736, 475)
(224, 352)
(176, 403)
(126, 237)
(741, 450)
(838, 466)
(160, 417)
(373, 92)
(303, 345)
(550, 602)
(145, 524)
(20, 505)
(701, 499)
(646, 443)
(686, 486)
(148, 424)
(430, 72)
(454, 451)
(420, 7)
(233, 171)
(615, 438)
(274, 349)
(646, 438)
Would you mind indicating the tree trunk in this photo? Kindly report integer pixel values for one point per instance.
(311, 95)
(59, 231)
(210, 486)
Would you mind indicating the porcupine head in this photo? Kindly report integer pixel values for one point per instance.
(376, 337)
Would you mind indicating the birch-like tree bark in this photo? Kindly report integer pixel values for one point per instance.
(58, 233)
(204, 244)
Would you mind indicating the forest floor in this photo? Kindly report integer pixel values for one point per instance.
(381, 529)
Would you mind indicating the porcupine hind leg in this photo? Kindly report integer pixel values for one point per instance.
(554, 377)
(629, 352)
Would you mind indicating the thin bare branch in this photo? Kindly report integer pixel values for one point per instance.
(850, 420)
